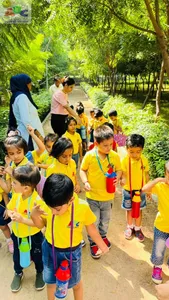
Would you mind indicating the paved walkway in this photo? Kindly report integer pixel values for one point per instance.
(123, 274)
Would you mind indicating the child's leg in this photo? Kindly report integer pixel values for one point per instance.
(6, 231)
(138, 221)
(51, 288)
(105, 212)
(138, 232)
(95, 207)
(16, 282)
(36, 254)
(78, 291)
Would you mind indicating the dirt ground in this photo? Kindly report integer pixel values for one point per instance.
(122, 274)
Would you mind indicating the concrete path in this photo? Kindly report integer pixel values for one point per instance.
(123, 274)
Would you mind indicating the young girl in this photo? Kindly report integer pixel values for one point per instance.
(18, 154)
(63, 150)
(75, 138)
(45, 160)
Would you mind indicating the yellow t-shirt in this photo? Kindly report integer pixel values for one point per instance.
(57, 167)
(1, 193)
(98, 123)
(13, 166)
(117, 123)
(83, 216)
(161, 189)
(23, 207)
(46, 159)
(84, 121)
(76, 140)
(136, 172)
(95, 176)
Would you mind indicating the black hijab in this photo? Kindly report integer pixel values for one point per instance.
(18, 85)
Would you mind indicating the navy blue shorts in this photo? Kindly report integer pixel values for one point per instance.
(127, 203)
(3, 222)
(49, 272)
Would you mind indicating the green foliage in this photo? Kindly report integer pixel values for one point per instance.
(98, 96)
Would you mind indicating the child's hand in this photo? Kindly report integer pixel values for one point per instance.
(77, 189)
(122, 181)
(87, 186)
(8, 160)
(30, 129)
(105, 250)
(8, 170)
(5, 214)
(16, 217)
(37, 211)
(2, 171)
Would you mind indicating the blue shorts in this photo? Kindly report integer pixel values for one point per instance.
(127, 203)
(48, 267)
(3, 222)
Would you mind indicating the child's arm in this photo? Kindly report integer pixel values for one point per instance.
(80, 152)
(148, 187)
(42, 166)
(119, 175)
(3, 184)
(17, 217)
(147, 177)
(39, 143)
(36, 214)
(6, 198)
(83, 176)
(94, 234)
(77, 185)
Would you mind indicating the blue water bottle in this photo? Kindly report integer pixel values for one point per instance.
(62, 280)
(24, 252)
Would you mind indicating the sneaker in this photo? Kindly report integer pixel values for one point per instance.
(10, 247)
(95, 251)
(129, 233)
(139, 235)
(83, 243)
(39, 283)
(16, 282)
(157, 275)
(107, 242)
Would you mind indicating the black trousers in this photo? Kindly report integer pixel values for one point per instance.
(36, 252)
(58, 124)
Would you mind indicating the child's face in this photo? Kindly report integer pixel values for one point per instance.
(81, 115)
(72, 126)
(60, 210)
(92, 114)
(48, 146)
(15, 154)
(17, 187)
(66, 156)
(134, 152)
(68, 88)
(105, 146)
(113, 118)
(100, 118)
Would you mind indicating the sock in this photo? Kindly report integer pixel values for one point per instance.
(137, 228)
(160, 266)
(8, 240)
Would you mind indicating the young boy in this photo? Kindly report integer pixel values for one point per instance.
(62, 206)
(82, 129)
(25, 179)
(99, 118)
(135, 170)
(95, 165)
(160, 187)
(117, 123)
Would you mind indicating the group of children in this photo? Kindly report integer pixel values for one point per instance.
(55, 205)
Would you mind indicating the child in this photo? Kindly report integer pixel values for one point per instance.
(4, 219)
(63, 150)
(99, 118)
(135, 174)
(82, 129)
(45, 160)
(61, 206)
(18, 154)
(160, 187)
(25, 178)
(75, 138)
(115, 121)
(95, 165)
(91, 125)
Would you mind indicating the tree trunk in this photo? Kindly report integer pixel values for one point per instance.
(148, 94)
(158, 94)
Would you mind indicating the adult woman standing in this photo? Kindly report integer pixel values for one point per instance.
(60, 107)
(23, 110)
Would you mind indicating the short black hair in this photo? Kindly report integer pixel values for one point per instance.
(102, 133)
(92, 110)
(113, 113)
(56, 78)
(79, 103)
(110, 125)
(68, 120)
(71, 106)
(60, 146)
(135, 140)
(58, 190)
(27, 175)
(98, 113)
(68, 81)
(16, 141)
(80, 109)
(52, 137)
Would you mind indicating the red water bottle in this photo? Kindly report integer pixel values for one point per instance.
(135, 213)
(62, 280)
(110, 181)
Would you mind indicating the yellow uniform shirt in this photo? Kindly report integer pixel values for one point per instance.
(13, 166)
(23, 207)
(98, 123)
(76, 140)
(1, 192)
(83, 216)
(57, 167)
(46, 159)
(95, 176)
(117, 123)
(136, 172)
(161, 189)
(84, 121)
